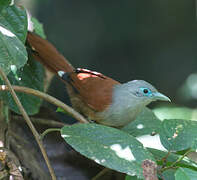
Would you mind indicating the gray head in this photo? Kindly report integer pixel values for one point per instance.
(144, 91)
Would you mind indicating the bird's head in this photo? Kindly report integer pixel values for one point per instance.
(144, 92)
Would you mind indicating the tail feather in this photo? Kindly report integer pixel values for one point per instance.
(47, 54)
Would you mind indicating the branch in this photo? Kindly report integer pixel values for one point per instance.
(42, 121)
(48, 131)
(29, 123)
(48, 98)
(173, 165)
(100, 174)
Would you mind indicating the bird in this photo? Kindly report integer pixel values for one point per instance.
(99, 98)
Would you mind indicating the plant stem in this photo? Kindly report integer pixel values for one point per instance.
(181, 157)
(100, 174)
(48, 131)
(42, 121)
(173, 165)
(29, 123)
(48, 98)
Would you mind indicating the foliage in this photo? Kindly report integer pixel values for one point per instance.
(185, 174)
(107, 146)
(38, 27)
(13, 58)
(117, 149)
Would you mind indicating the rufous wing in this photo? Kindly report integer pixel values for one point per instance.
(93, 88)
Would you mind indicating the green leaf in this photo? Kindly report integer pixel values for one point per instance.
(108, 146)
(31, 75)
(38, 28)
(61, 110)
(169, 174)
(14, 19)
(172, 111)
(13, 30)
(13, 52)
(177, 135)
(185, 174)
(4, 3)
(145, 123)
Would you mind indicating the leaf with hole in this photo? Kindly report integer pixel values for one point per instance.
(177, 135)
(145, 123)
(108, 146)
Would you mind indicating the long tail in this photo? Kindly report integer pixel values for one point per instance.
(47, 54)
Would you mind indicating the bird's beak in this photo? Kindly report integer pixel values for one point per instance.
(160, 96)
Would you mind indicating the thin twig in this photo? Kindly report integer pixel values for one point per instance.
(48, 131)
(173, 165)
(164, 159)
(48, 98)
(47, 122)
(29, 123)
(182, 157)
(101, 173)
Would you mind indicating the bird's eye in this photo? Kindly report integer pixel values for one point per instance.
(146, 91)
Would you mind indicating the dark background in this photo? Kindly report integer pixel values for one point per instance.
(153, 40)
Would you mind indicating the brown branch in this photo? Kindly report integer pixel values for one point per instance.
(47, 122)
(173, 165)
(48, 98)
(29, 123)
